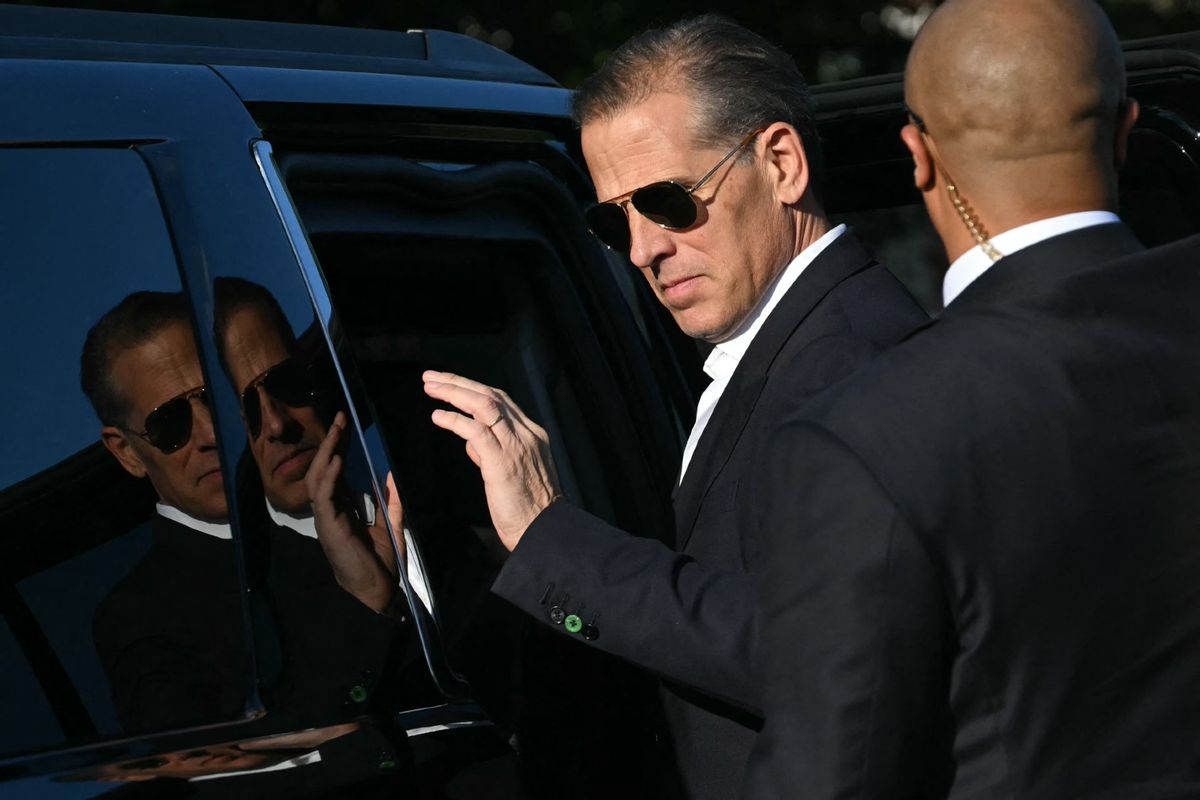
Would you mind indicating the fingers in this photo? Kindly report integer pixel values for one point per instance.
(395, 510)
(486, 404)
(478, 436)
(326, 466)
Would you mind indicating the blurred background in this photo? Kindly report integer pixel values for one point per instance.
(830, 39)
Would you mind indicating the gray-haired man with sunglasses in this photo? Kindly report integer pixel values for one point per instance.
(700, 140)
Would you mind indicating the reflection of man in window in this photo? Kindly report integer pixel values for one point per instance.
(277, 379)
(170, 634)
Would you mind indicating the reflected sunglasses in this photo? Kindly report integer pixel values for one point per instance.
(667, 204)
(169, 426)
(290, 382)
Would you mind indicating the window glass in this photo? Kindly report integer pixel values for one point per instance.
(488, 273)
(112, 626)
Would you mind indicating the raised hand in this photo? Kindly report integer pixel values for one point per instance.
(361, 557)
(511, 451)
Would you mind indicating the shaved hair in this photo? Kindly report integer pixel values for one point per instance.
(1019, 93)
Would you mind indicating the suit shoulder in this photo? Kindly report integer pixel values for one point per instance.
(877, 306)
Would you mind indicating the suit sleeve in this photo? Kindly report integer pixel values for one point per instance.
(647, 604)
(856, 636)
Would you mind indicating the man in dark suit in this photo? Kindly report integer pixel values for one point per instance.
(986, 544)
(702, 134)
(171, 633)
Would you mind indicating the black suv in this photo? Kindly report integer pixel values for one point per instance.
(402, 201)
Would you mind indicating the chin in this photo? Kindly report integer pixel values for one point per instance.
(296, 506)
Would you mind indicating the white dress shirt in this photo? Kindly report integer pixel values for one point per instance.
(725, 357)
(973, 263)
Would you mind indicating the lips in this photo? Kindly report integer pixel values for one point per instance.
(678, 290)
(295, 464)
(212, 475)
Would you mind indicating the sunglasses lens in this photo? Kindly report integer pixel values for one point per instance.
(667, 204)
(608, 223)
(290, 383)
(169, 426)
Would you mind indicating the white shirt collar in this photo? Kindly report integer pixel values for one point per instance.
(726, 355)
(973, 263)
(220, 530)
(305, 526)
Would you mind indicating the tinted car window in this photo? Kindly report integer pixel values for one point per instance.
(488, 272)
(83, 232)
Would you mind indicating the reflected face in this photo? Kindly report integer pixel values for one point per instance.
(709, 276)
(289, 436)
(147, 376)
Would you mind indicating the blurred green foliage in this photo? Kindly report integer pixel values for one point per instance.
(830, 39)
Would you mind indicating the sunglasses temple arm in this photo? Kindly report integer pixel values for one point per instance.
(737, 149)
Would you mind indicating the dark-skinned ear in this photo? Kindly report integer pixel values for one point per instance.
(1126, 119)
(924, 175)
(116, 441)
(784, 153)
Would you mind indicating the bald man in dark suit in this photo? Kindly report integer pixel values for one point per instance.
(986, 570)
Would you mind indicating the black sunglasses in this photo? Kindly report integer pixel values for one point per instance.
(666, 203)
(169, 426)
(290, 382)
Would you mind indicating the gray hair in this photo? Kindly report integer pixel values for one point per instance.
(738, 80)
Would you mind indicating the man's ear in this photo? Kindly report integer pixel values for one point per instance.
(117, 443)
(1125, 121)
(787, 162)
(923, 170)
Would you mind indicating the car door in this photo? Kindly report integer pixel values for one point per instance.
(213, 646)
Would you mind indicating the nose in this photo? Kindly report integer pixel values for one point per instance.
(203, 435)
(274, 419)
(648, 243)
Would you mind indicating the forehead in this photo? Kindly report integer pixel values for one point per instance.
(154, 371)
(646, 142)
(252, 344)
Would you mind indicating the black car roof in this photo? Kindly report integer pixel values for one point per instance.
(57, 33)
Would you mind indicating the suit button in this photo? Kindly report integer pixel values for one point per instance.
(358, 694)
(557, 615)
(591, 633)
(573, 624)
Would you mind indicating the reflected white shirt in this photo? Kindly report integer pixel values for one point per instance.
(306, 526)
(220, 530)
(973, 263)
(723, 361)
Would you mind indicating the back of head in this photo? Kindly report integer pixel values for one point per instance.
(737, 80)
(1023, 99)
(135, 320)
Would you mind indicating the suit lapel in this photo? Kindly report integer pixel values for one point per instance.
(841, 259)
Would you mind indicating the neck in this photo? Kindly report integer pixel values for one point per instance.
(810, 226)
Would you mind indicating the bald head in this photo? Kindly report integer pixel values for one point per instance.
(1023, 100)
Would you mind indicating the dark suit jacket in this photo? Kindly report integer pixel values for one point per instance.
(690, 615)
(986, 546)
(172, 635)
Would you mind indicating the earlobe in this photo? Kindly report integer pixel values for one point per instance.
(115, 442)
(1125, 122)
(785, 153)
(923, 172)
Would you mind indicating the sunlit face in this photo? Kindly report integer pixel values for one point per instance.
(711, 275)
(289, 436)
(147, 376)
